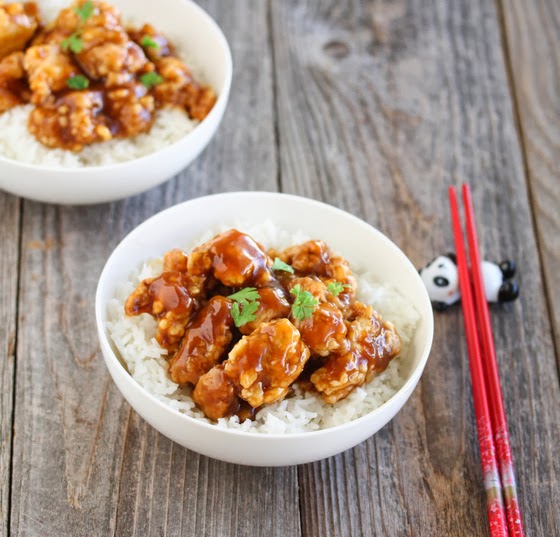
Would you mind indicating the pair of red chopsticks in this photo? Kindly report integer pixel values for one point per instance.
(493, 437)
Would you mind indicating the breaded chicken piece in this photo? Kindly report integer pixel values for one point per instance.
(324, 331)
(232, 257)
(273, 304)
(13, 87)
(263, 365)
(371, 344)
(153, 42)
(48, 69)
(204, 343)
(18, 22)
(71, 122)
(109, 54)
(132, 107)
(167, 299)
(179, 88)
(215, 394)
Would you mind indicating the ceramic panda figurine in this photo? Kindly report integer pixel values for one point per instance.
(441, 278)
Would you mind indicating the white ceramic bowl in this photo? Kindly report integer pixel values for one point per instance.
(358, 241)
(187, 24)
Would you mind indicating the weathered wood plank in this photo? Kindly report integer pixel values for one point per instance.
(532, 31)
(382, 104)
(84, 463)
(9, 265)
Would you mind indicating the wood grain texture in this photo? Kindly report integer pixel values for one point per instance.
(84, 462)
(9, 246)
(532, 37)
(382, 104)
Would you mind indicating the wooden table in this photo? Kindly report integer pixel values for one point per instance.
(375, 107)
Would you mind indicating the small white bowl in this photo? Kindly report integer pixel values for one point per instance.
(355, 239)
(205, 45)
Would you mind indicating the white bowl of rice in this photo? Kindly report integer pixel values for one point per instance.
(119, 168)
(301, 428)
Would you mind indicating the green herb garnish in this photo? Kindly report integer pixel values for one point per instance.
(244, 312)
(245, 304)
(304, 304)
(245, 295)
(78, 82)
(335, 288)
(151, 79)
(280, 265)
(74, 43)
(85, 11)
(148, 42)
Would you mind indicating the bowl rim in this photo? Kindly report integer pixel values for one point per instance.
(408, 386)
(223, 95)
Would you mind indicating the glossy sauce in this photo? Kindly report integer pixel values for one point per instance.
(204, 342)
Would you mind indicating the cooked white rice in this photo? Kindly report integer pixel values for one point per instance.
(17, 143)
(134, 337)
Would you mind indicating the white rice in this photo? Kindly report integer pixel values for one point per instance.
(17, 143)
(134, 337)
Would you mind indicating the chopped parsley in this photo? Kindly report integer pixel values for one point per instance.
(304, 304)
(335, 288)
(280, 265)
(245, 305)
(73, 43)
(78, 82)
(85, 11)
(151, 79)
(148, 42)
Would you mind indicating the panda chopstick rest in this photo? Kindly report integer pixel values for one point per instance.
(441, 279)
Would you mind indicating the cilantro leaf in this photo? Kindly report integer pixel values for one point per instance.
(73, 43)
(148, 42)
(304, 304)
(335, 288)
(78, 82)
(151, 79)
(85, 11)
(248, 294)
(243, 315)
(280, 265)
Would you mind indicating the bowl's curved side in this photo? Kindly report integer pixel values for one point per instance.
(192, 219)
(99, 184)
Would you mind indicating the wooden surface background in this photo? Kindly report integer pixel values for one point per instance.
(374, 106)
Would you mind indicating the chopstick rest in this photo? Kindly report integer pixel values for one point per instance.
(441, 278)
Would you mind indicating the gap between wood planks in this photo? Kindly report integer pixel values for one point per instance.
(506, 48)
(14, 372)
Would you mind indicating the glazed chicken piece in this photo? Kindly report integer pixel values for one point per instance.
(110, 54)
(204, 342)
(48, 70)
(104, 15)
(154, 43)
(264, 364)
(71, 122)
(166, 298)
(324, 331)
(315, 257)
(215, 394)
(179, 88)
(18, 23)
(175, 261)
(371, 344)
(131, 108)
(232, 257)
(273, 304)
(13, 87)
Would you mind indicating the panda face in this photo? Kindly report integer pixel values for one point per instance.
(441, 279)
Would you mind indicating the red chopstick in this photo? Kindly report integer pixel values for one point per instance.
(499, 421)
(492, 484)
